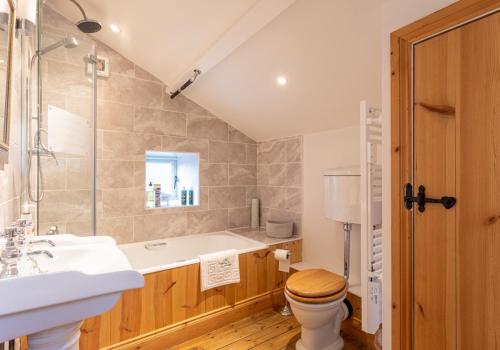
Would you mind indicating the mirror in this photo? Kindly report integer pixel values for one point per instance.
(7, 21)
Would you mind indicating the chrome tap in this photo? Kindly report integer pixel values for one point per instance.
(53, 230)
(40, 252)
(40, 241)
(10, 254)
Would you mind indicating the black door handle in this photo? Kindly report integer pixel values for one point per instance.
(421, 199)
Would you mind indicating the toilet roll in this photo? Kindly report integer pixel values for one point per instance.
(255, 213)
(283, 257)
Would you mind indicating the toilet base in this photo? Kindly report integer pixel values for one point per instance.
(337, 345)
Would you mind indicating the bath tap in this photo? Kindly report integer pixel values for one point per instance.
(40, 252)
(39, 241)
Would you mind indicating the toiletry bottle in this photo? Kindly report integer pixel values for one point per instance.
(157, 189)
(191, 196)
(150, 196)
(183, 196)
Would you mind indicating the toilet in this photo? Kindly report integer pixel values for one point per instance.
(316, 297)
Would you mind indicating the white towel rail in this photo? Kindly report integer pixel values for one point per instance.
(371, 217)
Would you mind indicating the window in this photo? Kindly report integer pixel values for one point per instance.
(172, 179)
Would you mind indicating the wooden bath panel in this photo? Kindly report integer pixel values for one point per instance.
(172, 296)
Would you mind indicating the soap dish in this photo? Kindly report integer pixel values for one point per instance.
(279, 229)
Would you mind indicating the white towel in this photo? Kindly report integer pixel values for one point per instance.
(218, 269)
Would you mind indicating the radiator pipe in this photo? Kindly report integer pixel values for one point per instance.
(174, 94)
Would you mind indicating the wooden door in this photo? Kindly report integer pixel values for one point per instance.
(456, 152)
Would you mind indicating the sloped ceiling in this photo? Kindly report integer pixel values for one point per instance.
(329, 50)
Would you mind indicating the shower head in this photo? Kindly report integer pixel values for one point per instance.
(89, 26)
(69, 42)
(86, 25)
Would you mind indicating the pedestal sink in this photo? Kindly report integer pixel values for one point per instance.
(85, 277)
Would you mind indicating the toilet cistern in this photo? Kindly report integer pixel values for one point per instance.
(342, 203)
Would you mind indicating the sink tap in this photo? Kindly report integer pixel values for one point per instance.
(40, 252)
(10, 254)
(47, 241)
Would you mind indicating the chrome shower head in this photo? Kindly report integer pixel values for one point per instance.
(69, 42)
(89, 26)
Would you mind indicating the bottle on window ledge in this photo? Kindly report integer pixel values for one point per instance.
(150, 201)
(191, 196)
(157, 193)
(183, 196)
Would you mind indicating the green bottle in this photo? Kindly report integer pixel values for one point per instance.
(150, 200)
(191, 196)
(183, 196)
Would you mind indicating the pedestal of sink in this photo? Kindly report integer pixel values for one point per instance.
(64, 337)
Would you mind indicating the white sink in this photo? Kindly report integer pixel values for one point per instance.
(85, 277)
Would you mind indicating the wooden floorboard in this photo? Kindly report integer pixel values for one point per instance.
(265, 330)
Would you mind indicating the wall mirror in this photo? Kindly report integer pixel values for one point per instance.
(172, 179)
(7, 22)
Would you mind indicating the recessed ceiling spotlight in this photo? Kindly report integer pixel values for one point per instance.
(281, 80)
(114, 28)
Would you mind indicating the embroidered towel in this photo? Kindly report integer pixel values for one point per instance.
(218, 269)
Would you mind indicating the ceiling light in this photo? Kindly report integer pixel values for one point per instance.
(281, 80)
(114, 28)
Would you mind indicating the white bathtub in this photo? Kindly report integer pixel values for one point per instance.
(163, 254)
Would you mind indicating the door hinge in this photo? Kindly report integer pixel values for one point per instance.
(421, 199)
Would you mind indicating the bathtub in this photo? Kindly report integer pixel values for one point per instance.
(152, 256)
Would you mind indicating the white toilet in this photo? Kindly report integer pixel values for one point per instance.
(316, 297)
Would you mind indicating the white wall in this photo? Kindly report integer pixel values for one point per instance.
(323, 238)
(395, 14)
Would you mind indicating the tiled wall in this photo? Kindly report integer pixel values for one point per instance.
(10, 173)
(279, 180)
(135, 114)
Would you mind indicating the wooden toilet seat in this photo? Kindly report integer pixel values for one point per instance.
(315, 286)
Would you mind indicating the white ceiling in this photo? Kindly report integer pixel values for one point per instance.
(329, 50)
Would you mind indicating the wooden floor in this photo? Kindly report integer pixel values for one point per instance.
(265, 330)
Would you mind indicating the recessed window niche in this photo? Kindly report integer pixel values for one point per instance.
(172, 179)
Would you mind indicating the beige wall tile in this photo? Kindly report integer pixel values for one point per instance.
(294, 150)
(151, 227)
(272, 197)
(213, 174)
(143, 74)
(54, 173)
(294, 174)
(237, 136)
(218, 152)
(65, 206)
(78, 174)
(277, 175)
(138, 92)
(227, 197)
(118, 63)
(262, 174)
(239, 217)
(66, 79)
(121, 229)
(293, 199)
(182, 104)
(242, 174)
(272, 152)
(237, 153)
(115, 174)
(207, 221)
(139, 174)
(206, 127)
(129, 146)
(119, 202)
(251, 154)
(115, 116)
(157, 121)
(182, 144)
